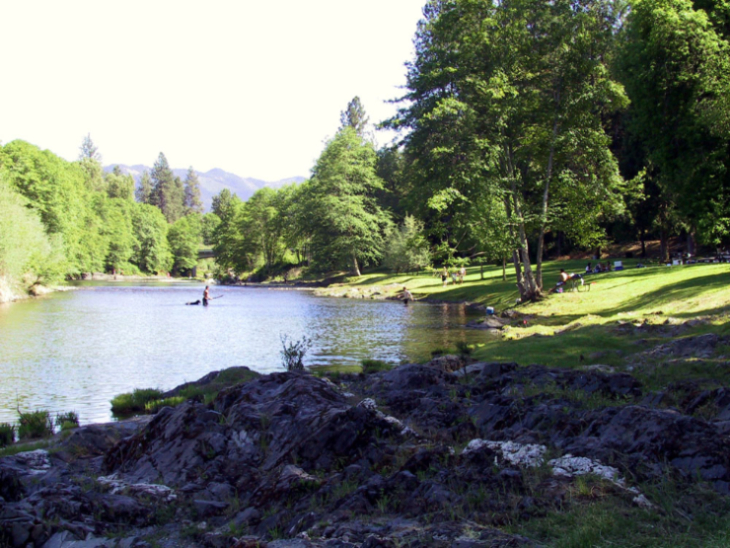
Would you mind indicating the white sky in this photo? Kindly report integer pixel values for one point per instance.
(249, 86)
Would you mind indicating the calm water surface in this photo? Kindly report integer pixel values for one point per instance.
(77, 350)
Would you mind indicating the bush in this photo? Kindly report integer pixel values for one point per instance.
(374, 366)
(35, 424)
(68, 420)
(293, 352)
(7, 434)
(126, 404)
(155, 405)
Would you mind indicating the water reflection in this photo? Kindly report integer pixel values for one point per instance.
(76, 350)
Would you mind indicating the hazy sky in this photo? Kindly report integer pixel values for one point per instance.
(252, 87)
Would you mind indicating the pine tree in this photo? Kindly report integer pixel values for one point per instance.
(167, 190)
(355, 117)
(144, 190)
(192, 192)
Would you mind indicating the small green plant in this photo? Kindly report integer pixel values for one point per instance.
(155, 405)
(7, 434)
(35, 424)
(464, 349)
(126, 404)
(293, 352)
(374, 366)
(67, 421)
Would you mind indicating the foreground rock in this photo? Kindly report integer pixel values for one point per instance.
(420, 457)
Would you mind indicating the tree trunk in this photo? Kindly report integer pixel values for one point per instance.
(504, 269)
(663, 245)
(642, 237)
(545, 194)
(691, 248)
(355, 267)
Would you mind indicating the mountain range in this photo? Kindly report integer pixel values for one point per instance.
(213, 181)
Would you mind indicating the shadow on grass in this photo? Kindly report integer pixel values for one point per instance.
(686, 289)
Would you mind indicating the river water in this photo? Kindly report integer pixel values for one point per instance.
(76, 350)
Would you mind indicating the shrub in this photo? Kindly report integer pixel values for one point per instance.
(7, 434)
(293, 352)
(68, 420)
(374, 366)
(125, 404)
(35, 424)
(155, 405)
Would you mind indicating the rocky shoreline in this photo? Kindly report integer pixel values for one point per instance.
(441, 454)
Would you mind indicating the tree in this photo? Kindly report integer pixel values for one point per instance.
(508, 98)
(348, 223)
(184, 240)
(26, 251)
(88, 150)
(226, 237)
(677, 74)
(167, 190)
(143, 193)
(261, 228)
(151, 250)
(406, 248)
(119, 185)
(354, 116)
(192, 192)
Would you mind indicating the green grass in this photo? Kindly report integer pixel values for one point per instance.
(35, 424)
(597, 516)
(7, 434)
(134, 402)
(147, 400)
(374, 366)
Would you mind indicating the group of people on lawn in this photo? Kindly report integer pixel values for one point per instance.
(457, 276)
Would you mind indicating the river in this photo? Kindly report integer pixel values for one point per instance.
(76, 350)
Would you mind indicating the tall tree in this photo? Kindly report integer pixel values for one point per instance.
(348, 222)
(676, 69)
(193, 203)
(143, 192)
(88, 149)
(167, 190)
(354, 116)
(508, 98)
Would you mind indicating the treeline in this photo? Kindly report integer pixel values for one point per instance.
(530, 128)
(63, 219)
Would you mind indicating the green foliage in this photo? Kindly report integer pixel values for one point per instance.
(375, 366)
(67, 420)
(35, 424)
(7, 434)
(406, 247)
(293, 352)
(167, 192)
(155, 405)
(151, 249)
(674, 52)
(25, 248)
(184, 238)
(125, 404)
(347, 224)
(192, 201)
(143, 192)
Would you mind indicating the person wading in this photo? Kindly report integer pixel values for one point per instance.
(206, 296)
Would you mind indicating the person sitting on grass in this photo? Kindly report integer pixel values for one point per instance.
(564, 277)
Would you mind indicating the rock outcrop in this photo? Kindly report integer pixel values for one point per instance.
(420, 457)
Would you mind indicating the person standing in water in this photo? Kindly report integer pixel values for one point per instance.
(206, 296)
(406, 295)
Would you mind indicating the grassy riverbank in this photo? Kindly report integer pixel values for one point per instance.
(569, 329)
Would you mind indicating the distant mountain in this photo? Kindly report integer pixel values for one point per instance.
(213, 181)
